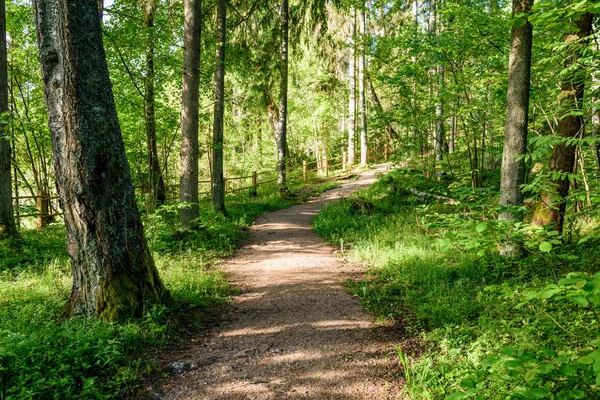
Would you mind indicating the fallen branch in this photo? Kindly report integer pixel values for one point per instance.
(424, 195)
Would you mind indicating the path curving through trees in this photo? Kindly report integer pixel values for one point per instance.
(293, 332)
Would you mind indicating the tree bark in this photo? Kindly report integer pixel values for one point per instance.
(283, 99)
(188, 184)
(155, 179)
(389, 129)
(364, 151)
(550, 210)
(517, 112)
(114, 275)
(218, 179)
(596, 135)
(7, 219)
(352, 87)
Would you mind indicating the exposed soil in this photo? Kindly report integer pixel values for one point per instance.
(293, 332)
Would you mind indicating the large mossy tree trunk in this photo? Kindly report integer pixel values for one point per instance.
(114, 275)
(188, 185)
(550, 210)
(517, 112)
(218, 179)
(7, 219)
(283, 100)
(156, 181)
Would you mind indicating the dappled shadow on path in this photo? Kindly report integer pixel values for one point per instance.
(293, 332)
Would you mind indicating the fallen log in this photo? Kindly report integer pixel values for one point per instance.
(424, 195)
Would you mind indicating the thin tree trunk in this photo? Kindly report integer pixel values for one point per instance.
(218, 179)
(550, 210)
(7, 219)
(113, 272)
(596, 135)
(515, 130)
(282, 150)
(452, 134)
(188, 186)
(364, 151)
(391, 132)
(352, 87)
(439, 117)
(155, 179)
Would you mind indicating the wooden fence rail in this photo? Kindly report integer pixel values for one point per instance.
(322, 166)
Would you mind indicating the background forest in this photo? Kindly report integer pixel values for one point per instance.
(501, 295)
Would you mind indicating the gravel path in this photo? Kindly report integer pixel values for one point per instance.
(293, 332)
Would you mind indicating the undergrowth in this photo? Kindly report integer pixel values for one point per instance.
(491, 327)
(44, 356)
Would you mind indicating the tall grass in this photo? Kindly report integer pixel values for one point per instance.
(479, 340)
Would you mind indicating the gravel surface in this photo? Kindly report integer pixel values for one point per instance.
(293, 332)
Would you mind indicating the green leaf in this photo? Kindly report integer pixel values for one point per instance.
(580, 301)
(586, 360)
(535, 393)
(519, 22)
(468, 383)
(529, 375)
(481, 227)
(454, 351)
(512, 364)
(545, 247)
(455, 396)
(491, 361)
(507, 351)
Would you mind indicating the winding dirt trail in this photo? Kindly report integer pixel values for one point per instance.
(293, 333)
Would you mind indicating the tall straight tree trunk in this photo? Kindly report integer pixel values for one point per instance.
(439, 117)
(352, 87)
(113, 272)
(517, 112)
(283, 99)
(218, 179)
(364, 151)
(550, 210)
(155, 179)
(188, 185)
(7, 219)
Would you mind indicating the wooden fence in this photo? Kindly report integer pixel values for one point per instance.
(235, 184)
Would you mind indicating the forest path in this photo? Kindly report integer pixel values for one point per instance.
(293, 332)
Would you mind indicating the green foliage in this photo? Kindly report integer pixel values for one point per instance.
(493, 327)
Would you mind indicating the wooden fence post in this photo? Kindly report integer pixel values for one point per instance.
(254, 184)
(344, 160)
(386, 152)
(326, 166)
(304, 171)
(42, 200)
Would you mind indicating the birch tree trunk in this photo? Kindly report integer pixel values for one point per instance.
(364, 151)
(283, 99)
(7, 219)
(550, 210)
(114, 275)
(188, 185)
(218, 179)
(352, 87)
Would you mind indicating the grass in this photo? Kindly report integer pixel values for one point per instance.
(479, 338)
(43, 356)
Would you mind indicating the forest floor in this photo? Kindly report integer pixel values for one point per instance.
(292, 332)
